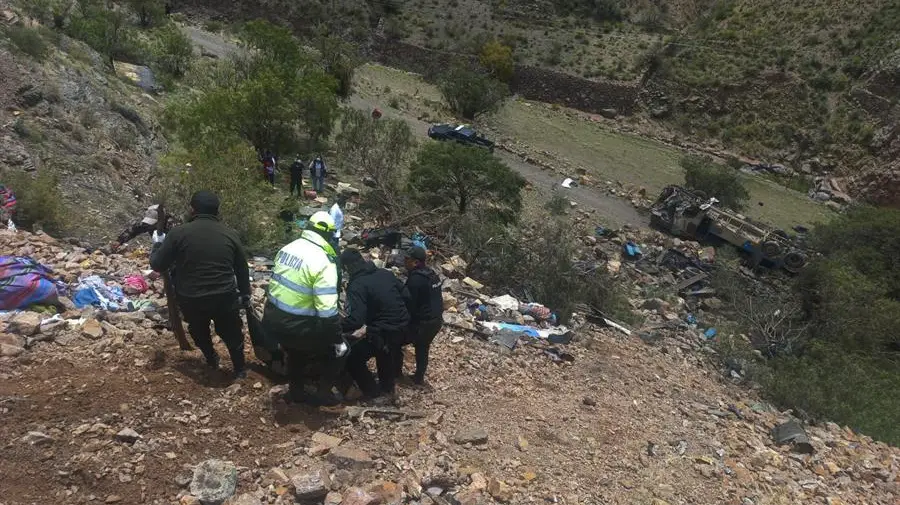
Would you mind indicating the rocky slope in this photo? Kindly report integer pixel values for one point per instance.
(102, 407)
(68, 115)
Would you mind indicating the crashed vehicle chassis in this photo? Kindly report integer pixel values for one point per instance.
(690, 215)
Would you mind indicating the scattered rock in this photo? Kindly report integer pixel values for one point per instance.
(9, 351)
(322, 443)
(609, 113)
(244, 499)
(25, 323)
(92, 329)
(479, 482)
(37, 438)
(590, 402)
(214, 481)
(334, 498)
(472, 283)
(127, 436)
(189, 499)
(113, 498)
(474, 435)
(311, 486)
(500, 491)
(521, 443)
(387, 492)
(349, 457)
(356, 496)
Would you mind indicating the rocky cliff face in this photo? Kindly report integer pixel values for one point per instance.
(70, 116)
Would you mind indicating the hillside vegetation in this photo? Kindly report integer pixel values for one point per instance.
(811, 84)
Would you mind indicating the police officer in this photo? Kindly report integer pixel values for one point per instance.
(212, 271)
(426, 312)
(301, 311)
(376, 300)
(297, 176)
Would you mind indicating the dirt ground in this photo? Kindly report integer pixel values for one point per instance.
(626, 423)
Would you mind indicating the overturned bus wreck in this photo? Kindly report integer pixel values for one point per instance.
(693, 216)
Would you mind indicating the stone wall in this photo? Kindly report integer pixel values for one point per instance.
(529, 82)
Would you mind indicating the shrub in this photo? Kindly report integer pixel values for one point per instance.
(450, 174)
(866, 239)
(557, 205)
(39, 200)
(172, 51)
(213, 26)
(536, 262)
(29, 41)
(246, 202)
(498, 59)
(340, 61)
(149, 12)
(702, 174)
(266, 99)
(858, 390)
(48, 12)
(105, 30)
(470, 93)
(381, 150)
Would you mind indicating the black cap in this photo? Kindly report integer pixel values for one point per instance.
(350, 257)
(205, 202)
(418, 253)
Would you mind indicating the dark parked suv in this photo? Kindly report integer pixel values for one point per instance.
(464, 134)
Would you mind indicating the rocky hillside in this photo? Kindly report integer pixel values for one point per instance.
(101, 406)
(66, 114)
(807, 84)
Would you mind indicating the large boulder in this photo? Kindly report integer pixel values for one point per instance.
(214, 481)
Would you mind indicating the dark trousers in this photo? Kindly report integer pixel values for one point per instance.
(298, 184)
(318, 183)
(270, 178)
(226, 317)
(421, 335)
(358, 365)
(311, 374)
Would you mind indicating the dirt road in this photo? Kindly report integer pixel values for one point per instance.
(615, 211)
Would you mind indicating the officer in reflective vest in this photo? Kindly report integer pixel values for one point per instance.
(301, 311)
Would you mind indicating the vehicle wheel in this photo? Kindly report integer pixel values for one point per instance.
(770, 249)
(794, 261)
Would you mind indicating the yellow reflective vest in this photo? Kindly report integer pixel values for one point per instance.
(305, 278)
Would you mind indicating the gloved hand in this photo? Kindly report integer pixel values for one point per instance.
(340, 350)
(158, 237)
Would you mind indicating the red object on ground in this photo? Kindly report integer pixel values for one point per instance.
(376, 113)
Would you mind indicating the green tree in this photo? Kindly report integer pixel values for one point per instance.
(498, 59)
(48, 11)
(246, 202)
(447, 173)
(172, 51)
(149, 12)
(379, 150)
(267, 99)
(470, 93)
(39, 200)
(716, 181)
(340, 61)
(104, 29)
(867, 239)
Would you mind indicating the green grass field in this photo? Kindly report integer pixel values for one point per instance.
(606, 154)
